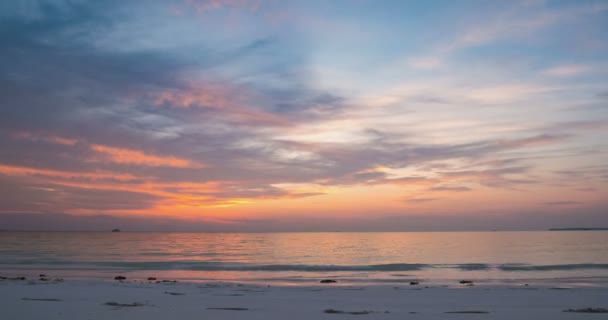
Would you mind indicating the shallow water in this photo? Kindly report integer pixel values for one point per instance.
(551, 257)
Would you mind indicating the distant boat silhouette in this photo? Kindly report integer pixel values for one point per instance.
(115, 230)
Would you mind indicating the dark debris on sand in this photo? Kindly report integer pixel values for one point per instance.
(46, 281)
(328, 281)
(588, 310)
(175, 293)
(167, 281)
(41, 299)
(334, 311)
(117, 304)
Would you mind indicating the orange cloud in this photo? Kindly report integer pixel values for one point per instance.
(128, 156)
(25, 171)
(175, 198)
(42, 137)
(63, 141)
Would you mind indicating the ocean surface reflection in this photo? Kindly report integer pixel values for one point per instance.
(304, 257)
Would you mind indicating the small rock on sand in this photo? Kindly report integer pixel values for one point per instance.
(334, 311)
(120, 278)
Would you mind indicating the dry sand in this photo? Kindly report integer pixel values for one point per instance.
(96, 299)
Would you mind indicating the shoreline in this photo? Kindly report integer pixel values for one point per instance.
(110, 299)
(481, 279)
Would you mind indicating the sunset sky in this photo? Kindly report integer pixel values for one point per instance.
(253, 115)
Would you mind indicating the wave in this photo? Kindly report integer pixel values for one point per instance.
(217, 266)
(553, 267)
(233, 266)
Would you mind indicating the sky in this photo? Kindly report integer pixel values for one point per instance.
(255, 115)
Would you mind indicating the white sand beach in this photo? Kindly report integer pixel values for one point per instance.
(96, 299)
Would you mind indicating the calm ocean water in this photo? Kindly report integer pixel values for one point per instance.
(572, 258)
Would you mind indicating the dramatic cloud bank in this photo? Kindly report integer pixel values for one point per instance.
(296, 115)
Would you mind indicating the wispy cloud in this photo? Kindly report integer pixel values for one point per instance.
(202, 6)
(450, 188)
(70, 175)
(421, 200)
(136, 157)
(518, 22)
(562, 203)
(567, 70)
(425, 62)
(46, 138)
(229, 103)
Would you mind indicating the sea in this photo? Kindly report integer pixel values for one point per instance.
(550, 258)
